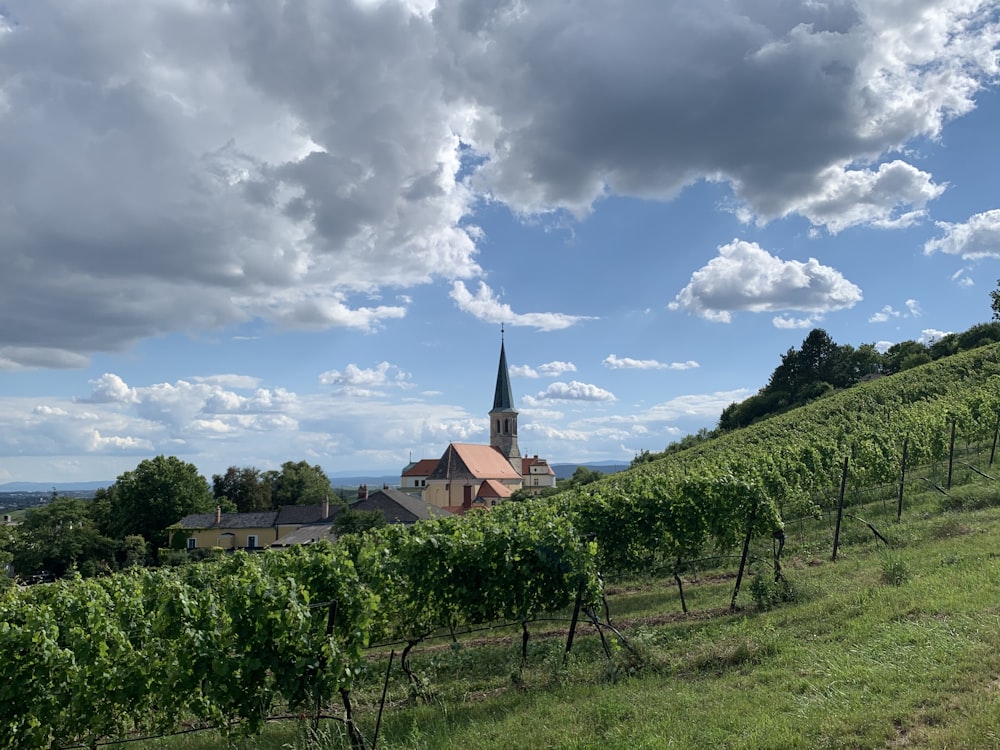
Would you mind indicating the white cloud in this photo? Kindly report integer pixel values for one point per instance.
(891, 197)
(574, 391)
(930, 335)
(786, 322)
(744, 276)
(485, 306)
(627, 363)
(556, 368)
(979, 237)
(888, 313)
(523, 371)
(382, 375)
(109, 388)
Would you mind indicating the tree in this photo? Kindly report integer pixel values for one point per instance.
(59, 537)
(245, 487)
(298, 484)
(995, 301)
(357, 521)
(157, 493)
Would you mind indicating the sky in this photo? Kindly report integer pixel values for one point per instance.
(250, 232)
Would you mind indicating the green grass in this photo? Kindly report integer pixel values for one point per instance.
(883, 648)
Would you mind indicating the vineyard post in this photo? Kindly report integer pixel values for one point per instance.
(743, 558)
(951, 452)
(573, 620)
(996, 430)
(902, 478)
(680, 585)
(840, 508)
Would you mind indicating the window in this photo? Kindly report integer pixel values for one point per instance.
(252, 541)
(192, 542)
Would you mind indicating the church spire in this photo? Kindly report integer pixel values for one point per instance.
(503, 415)
(503, 399)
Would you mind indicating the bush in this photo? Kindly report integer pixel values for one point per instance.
(767, 593)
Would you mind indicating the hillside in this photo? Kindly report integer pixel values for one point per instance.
(798, 456)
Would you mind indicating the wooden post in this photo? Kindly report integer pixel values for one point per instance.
(840, 508)
(573, 621)
(996, 430)
(951, 452)
(743, 559)
(902, 478)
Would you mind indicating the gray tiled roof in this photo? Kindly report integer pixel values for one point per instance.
(399, 507)
(259, 520)
(306, 513)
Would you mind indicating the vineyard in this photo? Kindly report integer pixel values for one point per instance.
(237, 642)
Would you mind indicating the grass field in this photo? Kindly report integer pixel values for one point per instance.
(887, 647)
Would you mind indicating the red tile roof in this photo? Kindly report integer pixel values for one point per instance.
(493, 488)
(463, 460)
(421, 468)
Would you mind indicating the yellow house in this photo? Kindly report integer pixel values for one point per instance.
(248, 531)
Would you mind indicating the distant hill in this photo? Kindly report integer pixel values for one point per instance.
(564, 471)
(47, 487)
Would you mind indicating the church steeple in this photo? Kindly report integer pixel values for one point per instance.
(503, 415)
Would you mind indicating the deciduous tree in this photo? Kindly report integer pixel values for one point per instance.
(298, 484)
(245, 487)
(157, 493)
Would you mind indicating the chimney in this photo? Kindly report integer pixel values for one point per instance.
(325, 513)
(218, 514)
(363, 492)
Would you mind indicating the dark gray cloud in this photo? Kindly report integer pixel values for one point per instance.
(181, 166)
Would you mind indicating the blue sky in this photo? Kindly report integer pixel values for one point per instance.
(250, 233)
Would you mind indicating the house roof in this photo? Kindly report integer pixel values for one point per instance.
(297, 514)
(503, 399)
(527, 463)
(421, 468)
(399, 507)
(492, 488)
(306, 535)
(259, 520)
(466, 461)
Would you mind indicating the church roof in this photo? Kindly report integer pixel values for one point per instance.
(503, 399)
(467, 461)
(493, 488)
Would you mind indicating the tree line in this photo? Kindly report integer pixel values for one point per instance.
(126, 523)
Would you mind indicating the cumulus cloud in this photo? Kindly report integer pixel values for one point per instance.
(744, 276)
(888, 313)
(930, 335)
(352, 376)
(979, 237)
(485, 306)
(548, 370)
(890, 197)
(795, 98)
(556, 368)
(574, 391)
(628, 363)
(789, 323)
(183, 166)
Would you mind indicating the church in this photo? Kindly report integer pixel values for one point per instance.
(480, 476)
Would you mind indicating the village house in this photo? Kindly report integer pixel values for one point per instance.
(250, 531)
